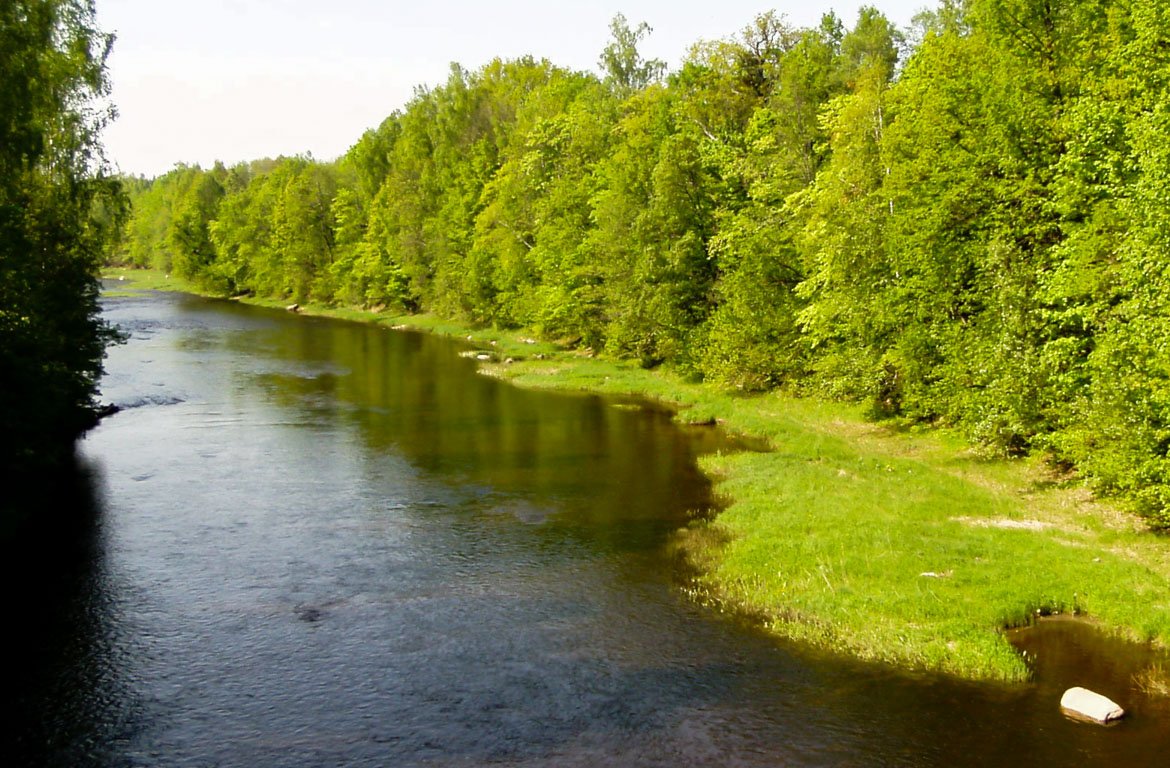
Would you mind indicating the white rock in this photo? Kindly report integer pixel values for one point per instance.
(1093, 706)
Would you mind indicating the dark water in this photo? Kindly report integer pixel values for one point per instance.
(311, 543)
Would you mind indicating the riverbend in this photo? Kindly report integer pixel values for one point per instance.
(321, 542)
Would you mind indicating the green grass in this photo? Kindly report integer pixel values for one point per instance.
(899, 546)
(124, 281)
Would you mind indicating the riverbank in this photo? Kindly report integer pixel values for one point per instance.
(899, 546)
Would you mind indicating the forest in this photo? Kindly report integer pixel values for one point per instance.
(960, 224)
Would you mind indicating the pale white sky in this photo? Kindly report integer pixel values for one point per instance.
(202, 80)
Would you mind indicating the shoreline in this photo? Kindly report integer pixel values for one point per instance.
(904, 547)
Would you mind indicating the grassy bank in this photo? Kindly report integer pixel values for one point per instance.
(899, 546)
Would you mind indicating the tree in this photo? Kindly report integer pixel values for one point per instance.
(971, 234)
(754, 339)
(53, 180)
(189, 232)
(625, 69)
(1115, 176)
(303, 229)
(536, 209)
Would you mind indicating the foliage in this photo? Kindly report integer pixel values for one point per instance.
(625, 69)
(899, 546)
(59, 213)
(965, 231)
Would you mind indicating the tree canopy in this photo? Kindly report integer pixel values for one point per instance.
(959, 224)
(59, 212)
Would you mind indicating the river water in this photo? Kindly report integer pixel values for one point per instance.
(313, 543)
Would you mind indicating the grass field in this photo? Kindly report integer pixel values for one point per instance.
(889, 544)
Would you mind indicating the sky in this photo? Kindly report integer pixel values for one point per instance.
(195, 81)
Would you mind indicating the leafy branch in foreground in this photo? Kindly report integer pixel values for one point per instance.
(59, 213)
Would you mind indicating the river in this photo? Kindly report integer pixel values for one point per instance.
(308, 542)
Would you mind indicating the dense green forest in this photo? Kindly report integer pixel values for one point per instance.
(963, 223)
(59, 212)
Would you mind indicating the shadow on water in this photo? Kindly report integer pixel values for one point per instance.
(65, 702)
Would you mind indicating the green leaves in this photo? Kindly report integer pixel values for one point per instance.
(59, 211)
(626, 71)
(974, 234)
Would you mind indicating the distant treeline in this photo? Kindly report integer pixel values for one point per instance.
(965, 223)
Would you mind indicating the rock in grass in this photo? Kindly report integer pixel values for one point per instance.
(1085, 704)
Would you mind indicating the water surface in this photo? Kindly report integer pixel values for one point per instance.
(306, 542)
